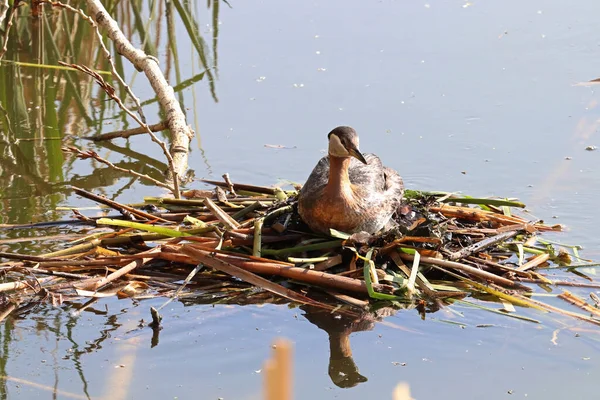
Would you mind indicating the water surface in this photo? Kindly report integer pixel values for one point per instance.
(478, 97)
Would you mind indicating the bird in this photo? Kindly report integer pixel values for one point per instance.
(349, 192)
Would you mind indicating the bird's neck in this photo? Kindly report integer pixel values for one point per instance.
(339, 180)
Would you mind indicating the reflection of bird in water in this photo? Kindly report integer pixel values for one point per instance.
(347, 191)
(343, 371)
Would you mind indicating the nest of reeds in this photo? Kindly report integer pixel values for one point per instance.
(246, 244)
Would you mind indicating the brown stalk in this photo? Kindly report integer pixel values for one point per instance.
(240, 186)
(576, 301)
(278, 372)
(353, 301)
(266, 239)
(548, 307)
(462, 267)
(560, 283)
(202, 257)
(225, 254)
(473, 214)
(95, 285)
(221, 215)
(414, 239)
(330, 262)
(534, 262)
(26, 284)
(316, 278)
(25, 257)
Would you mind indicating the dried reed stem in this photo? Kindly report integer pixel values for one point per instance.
(278, 372)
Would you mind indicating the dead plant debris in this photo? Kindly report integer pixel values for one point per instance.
(245, 244)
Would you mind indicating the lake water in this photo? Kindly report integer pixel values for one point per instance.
(478, 97)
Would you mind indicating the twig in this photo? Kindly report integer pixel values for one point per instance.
(560, 283)
(329, 263)
(92, 154)
(26, 284)
(316, 278)
(95, 285)
(229, 184)
(161, 126)
(481, 245)
(462, 267)
(473, 214)
(229, 222)
(24, 257)
(534, 262)
(122, 208)
(550, 308)
(571, 298)
(246, 210)
(240, 186)
(107, 54)
(206, 258)
(309, 247)
(55, 273)
(353, 301)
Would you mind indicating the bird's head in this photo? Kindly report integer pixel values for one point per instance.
(343, 142)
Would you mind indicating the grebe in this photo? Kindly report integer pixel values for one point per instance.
(347, 191)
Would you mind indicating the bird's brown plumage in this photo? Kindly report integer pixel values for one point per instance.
(345, 194)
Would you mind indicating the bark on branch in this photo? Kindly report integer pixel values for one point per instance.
(181, 133)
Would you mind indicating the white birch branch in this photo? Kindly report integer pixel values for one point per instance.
(181, 133)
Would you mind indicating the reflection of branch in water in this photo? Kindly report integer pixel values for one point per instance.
(9, 23)
(103, 177)
(6, 125)
(90, 154)
(124, 134)
(145, 160)
(122, 189)
(199, 141)
(178, 88)
(343, 371)
(215, 36)
(19, 165)
(198, 42)
(139, 158)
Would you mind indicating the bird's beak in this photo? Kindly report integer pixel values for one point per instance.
(357, 154)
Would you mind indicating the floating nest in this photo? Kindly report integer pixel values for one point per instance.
(246, 244)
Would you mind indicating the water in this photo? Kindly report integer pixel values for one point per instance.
(474, 97)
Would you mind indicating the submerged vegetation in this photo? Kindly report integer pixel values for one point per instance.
(245, 244)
